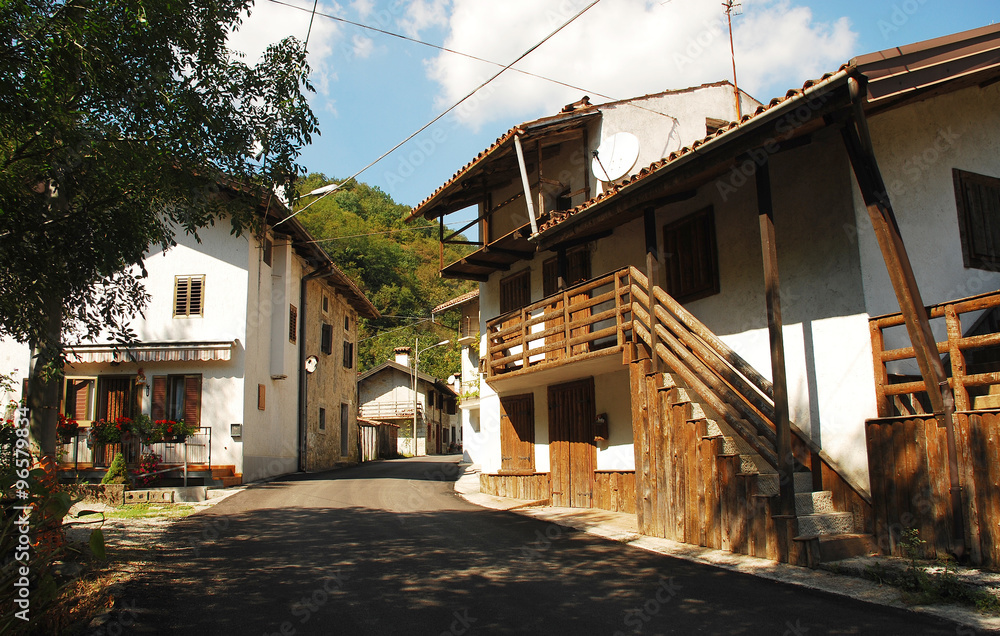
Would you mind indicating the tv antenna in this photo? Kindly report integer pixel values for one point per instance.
(734, 8)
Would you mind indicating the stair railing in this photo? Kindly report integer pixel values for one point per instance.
(716, 373)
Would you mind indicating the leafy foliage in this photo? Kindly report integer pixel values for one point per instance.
(396, 265)
(117, 471)
(122, 123)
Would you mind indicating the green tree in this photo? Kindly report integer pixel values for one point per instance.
(122, 123)
(394, 263)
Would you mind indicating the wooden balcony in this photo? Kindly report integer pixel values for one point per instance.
(589, 320)
(391, 410)
(972, 362)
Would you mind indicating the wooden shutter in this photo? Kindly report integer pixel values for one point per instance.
(978, 200)
(189, 295)
(159, 404)
(517, 433)
(293, 322)
(268, 248)
(692, 260)
(515, 291)
(182, 293)
(192, 399)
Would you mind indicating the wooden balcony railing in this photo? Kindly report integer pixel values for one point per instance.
(907, 395)
(589, 320)
(390, 410)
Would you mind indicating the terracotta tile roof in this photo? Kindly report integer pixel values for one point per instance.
(565, 115)
(456, 302)
(558, 217)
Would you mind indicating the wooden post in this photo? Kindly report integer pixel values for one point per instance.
(441, 239)
(649, 225)
(859, 149)
(525, 184)
(957, 359)
(772, 292)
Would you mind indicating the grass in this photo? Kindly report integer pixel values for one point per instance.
(148, 510)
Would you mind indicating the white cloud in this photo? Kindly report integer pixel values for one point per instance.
(363, 8)
(363, 46)
(627, 48)
(269, 23)
(423, 14)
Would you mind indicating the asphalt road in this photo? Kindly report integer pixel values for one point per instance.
(388, 548)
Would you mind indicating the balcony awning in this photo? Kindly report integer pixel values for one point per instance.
(152, 352)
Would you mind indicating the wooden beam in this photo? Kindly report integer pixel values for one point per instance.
(524, 182)
(772, 293)
(652, 261)
(857, 140)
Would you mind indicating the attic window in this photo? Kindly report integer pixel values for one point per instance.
(713, 125)
(189, 296)
(978, 199)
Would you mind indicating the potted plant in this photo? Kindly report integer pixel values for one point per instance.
(172, 431)
(67, 429)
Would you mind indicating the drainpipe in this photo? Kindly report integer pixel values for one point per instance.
(322, 272)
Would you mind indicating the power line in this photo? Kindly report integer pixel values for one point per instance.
(468, 55)
(453, 106)
(337, 238)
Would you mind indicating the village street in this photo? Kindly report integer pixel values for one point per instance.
(388, 548)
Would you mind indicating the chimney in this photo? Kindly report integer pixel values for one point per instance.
(402, 355)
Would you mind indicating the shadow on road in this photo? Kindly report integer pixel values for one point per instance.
(359, 570)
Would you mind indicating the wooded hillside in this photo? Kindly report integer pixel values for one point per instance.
(396, 265)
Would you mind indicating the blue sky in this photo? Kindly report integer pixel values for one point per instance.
(374, 90)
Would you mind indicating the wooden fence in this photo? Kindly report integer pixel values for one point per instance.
(910, 484)
(614, 490)
(377, 440)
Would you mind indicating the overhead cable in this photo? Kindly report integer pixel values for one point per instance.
(452, 107)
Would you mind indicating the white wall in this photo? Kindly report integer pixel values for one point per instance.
(917, 147)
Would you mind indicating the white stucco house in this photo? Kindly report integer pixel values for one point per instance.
(638, 338)
(386, 394)
(252, 339)
(473, 439)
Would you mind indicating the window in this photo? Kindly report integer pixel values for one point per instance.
(691, 257)
(345, 431)
(517, 433)
(293, 322)
(577, 270)
(326, 339)
(978, 199)
(430, 399)
(322, 418)
(267, 247)
(79, 399)
(177, 397)
(515, 291)
(189, 296)
(347, 323)
(452, 406)
(326, 304)
(348, 355)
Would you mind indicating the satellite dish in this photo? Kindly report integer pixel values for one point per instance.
(615, 156)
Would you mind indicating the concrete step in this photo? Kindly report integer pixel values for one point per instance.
(812, 503)
(826, 548)
(767, 483)
(826, 523)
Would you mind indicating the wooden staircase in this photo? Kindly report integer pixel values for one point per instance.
(226, 476)
(706, 458)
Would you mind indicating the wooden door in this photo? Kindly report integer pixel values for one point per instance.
(573, 455)
(517, 433)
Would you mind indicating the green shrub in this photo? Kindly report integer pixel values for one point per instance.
(117, 472)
